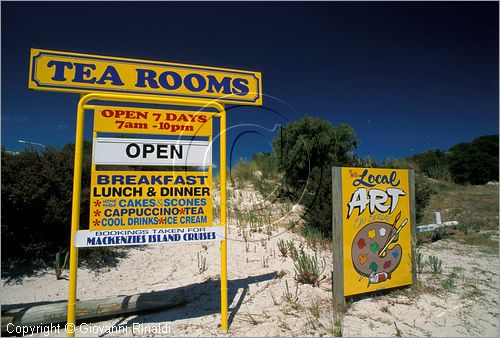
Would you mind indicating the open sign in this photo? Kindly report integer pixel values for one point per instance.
(122, 151)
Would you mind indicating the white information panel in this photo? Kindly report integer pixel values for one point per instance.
(125, 151)
(116, 237)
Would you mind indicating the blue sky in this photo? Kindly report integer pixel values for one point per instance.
(407, 76)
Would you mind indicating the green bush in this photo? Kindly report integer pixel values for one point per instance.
(307, 269)
(435, 265)
(475, 162)
(37, 190)
(440, 172)
(318, 202)
(307, 149)
(423, 192)
(267, 164)
(242, 173)
(431, 160)
(36, 201)
(312, 143)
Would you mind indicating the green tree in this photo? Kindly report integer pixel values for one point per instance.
(36, 201)
(311, 143)
(307, 149)
(475, 162)
(434, 163)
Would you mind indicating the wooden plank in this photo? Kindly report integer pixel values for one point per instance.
(338, 247)
(413, 228)
(57, 312)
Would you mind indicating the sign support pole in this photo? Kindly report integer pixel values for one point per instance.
(77, 180)
(411, 178)
(75, 218)
(337, 241)
(223, 220)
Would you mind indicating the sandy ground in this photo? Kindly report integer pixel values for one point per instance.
(470, 308)
(262, 305)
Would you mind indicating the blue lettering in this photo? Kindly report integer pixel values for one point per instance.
(156, 179)
(371, 180)
(144, 75)
(240, 87)
(224, 84)
(200, 81)
(59, 71)
(110, 74)
(165, 83)
(102, 179)
(83, 72)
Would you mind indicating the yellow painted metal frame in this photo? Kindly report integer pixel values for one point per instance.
(77, 179)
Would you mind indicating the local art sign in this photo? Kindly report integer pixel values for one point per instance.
(376, 229)
(83, 73)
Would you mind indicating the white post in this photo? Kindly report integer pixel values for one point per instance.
(437, 217)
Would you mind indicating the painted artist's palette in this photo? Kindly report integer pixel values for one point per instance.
(374, 250)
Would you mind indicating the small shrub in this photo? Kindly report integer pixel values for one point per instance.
(438, 234)
(253, 320)
(202, 263)
(58, 266)
(315, 308)
(435, 264)
(313, 236)
(280, 274)
(449, 284)
(419, 261)
(439, 172)
(423, 192)
(398, 331)
(307, 269)
(291, 298)
(463, 227)
(292, 250)
(337, 325)
(275, 302)
(265, 261)
(242, 173)
(283, 247)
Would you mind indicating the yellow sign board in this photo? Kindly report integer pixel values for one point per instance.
(124, 200)
(133, 120)
(82, 73)
(376, 229)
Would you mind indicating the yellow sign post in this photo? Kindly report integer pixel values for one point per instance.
(106, 78)
(83, 105)
(373, 229)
